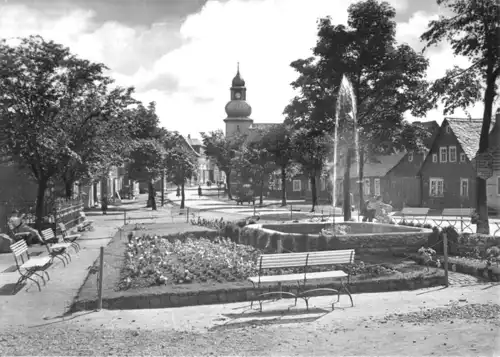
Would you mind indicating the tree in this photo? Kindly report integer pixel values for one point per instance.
(473, 31)
(278, 142)
(100, 136)
(386, 80)
(255, 161)
(39, 82)
(223, 150)
(180, 163)
(149, 151)
(310, 151)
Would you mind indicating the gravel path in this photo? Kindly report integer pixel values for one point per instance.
(458, 330)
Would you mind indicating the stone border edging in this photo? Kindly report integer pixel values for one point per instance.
(223, 296)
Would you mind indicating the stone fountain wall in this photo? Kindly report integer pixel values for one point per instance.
(364, 237)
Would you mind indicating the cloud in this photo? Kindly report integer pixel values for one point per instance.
(188, 70)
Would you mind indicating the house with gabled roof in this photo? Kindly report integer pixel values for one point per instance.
(402, 183)
(447, 175)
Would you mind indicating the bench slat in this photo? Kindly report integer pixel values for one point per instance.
(48, 234)
(329, 260)
(283, 264)
(415, 211)
(457, 211)
(19, 248)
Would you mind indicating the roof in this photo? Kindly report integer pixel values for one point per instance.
(375, 169)
(467, 131)
(253, 133)
(193, 141)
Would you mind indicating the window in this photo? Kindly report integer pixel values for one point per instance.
(462, 157)
(436, 187)
(498, 185)
(323, 184)
(296, 185)
(410, 157)
(443, 154)
(376, 186)
(448, 130)
(464, 187)
(366, 186)
(434, 158)
(452, 153)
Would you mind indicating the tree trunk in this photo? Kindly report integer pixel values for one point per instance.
(283, 186)
(183, 195)
(228, 185)
(314, 194)
(347, 187)
(360, 182)
(40, 200)
(68, 189)
(261, 192)
(483, 226)
(151, 195)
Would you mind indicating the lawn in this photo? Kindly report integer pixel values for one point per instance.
(155, 261)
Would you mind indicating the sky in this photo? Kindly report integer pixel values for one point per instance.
(182, 54)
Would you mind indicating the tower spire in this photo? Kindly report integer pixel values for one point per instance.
(238, 67)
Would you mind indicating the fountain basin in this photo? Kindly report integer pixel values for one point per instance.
(365, 237)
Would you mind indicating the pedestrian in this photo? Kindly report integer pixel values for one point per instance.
(370, 209)
(178, 191)
(104, 204)
(199, 190)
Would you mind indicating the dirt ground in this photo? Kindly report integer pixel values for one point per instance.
(456, 321)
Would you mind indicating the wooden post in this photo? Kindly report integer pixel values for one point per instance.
(101, 269)
(187, 215)
(254, 209)
(124, 217)
(291, 215)
(445, 252)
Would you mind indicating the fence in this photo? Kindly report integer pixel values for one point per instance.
(55, 211)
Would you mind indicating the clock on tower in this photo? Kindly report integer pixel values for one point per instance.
(237, 95)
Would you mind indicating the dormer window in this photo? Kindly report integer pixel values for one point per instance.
(448, 130)
(410, 157)
(434, 158)
(462, 157)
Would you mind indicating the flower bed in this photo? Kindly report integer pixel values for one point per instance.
(154, 260)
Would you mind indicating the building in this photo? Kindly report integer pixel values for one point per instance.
(402, 183)
(207, 170)
(238, 118)
(448, 177)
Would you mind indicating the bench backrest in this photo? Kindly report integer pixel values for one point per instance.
(329, 257)
(48, 234)
(19, 249)
(294, 260)
(415, 211)
(459, 212)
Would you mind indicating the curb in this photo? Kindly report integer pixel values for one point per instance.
(224, 296)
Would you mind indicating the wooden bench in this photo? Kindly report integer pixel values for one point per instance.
(56, 250)
(240, 199)
(304, 261)
(69, 238)
(414, 213)
(28, 266)
(85, 224)
(464, 214)
(183, 212)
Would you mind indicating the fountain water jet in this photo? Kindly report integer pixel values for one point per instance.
(346, 91)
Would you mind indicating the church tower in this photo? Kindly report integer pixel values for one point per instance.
(237, 109)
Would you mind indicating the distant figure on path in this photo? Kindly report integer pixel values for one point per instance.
(369, 211)
(104, 204)
(178, 194)
(199, 190)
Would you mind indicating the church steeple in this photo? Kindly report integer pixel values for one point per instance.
(238, 110)
(238, 89)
